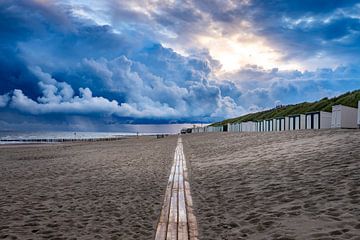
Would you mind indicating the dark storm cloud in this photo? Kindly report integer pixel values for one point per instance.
(54, 62)
(88, 69)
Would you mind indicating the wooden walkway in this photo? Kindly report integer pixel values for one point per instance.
(177, 220)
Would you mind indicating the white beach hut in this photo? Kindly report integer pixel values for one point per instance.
(238, 127)
(213, 129)
(297, 122)
(318, 120)
(358, 114)
(344, 117)
(265, 126)
(280, 124)
(248, 126)
(230, 127)
(233, 127)
(261, 126)
(258, 126)
(245, 127)
(269, 125)
(287, 124)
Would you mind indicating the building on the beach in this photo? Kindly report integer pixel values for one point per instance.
(296, 122)
(280, 124)
(248, 126)
(358, 114)
(214, 129)
(318, 120)
(230, 127)
(344, 117)
(269, 125)
(259, 126)
(234, 127)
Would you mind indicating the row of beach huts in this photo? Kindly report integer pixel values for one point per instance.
(340, 117)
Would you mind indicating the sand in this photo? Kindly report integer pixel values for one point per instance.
(289, 185)
(102, 190)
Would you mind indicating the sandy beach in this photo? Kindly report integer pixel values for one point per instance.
(101, 190)
(289, 185)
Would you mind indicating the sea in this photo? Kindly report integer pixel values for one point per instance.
(127, 130)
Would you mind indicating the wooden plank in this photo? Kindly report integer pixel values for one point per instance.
(177, 220)
(191, 219)
(161, 230)
(173, 216)
(192, 223)
(182, 207)
(183, 233)
(171, 231)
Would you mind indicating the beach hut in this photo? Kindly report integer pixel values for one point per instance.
(344, 117)
(233, 127)
(269, 125)
(230, 127)
(358, 114)
(238, 127)
(263, 126)
(318, 120)
(260, 126)
(280, 124)
(287, 124)
(296, 122)
(248, 126)
(215, 129)
(242, 127)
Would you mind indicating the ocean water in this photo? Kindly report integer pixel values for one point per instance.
(128, 130)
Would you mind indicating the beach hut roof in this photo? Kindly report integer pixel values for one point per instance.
(312, 112)
(295, 115)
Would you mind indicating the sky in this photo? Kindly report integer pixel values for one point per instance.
(95, 65)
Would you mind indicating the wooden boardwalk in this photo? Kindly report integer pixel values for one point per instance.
(177, 220)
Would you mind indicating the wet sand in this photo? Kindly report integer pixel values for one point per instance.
(289, 185)
(101, 190)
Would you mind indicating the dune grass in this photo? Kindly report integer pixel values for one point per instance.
(348, 99)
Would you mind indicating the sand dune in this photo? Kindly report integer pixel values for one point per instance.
(290, 185)
(102, 190)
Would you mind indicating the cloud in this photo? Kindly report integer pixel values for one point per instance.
(4, 99)
(113, 61)
(262, 88)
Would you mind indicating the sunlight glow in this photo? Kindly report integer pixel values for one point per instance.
(236, 52)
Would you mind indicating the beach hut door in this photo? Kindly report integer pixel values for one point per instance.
(297, 122)
(291, 121)
(309, 121)
(316, 121)
(336, 118)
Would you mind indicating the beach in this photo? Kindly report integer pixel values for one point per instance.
(276, 185)
(99, 190)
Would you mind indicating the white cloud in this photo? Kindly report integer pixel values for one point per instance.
(4, 99)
